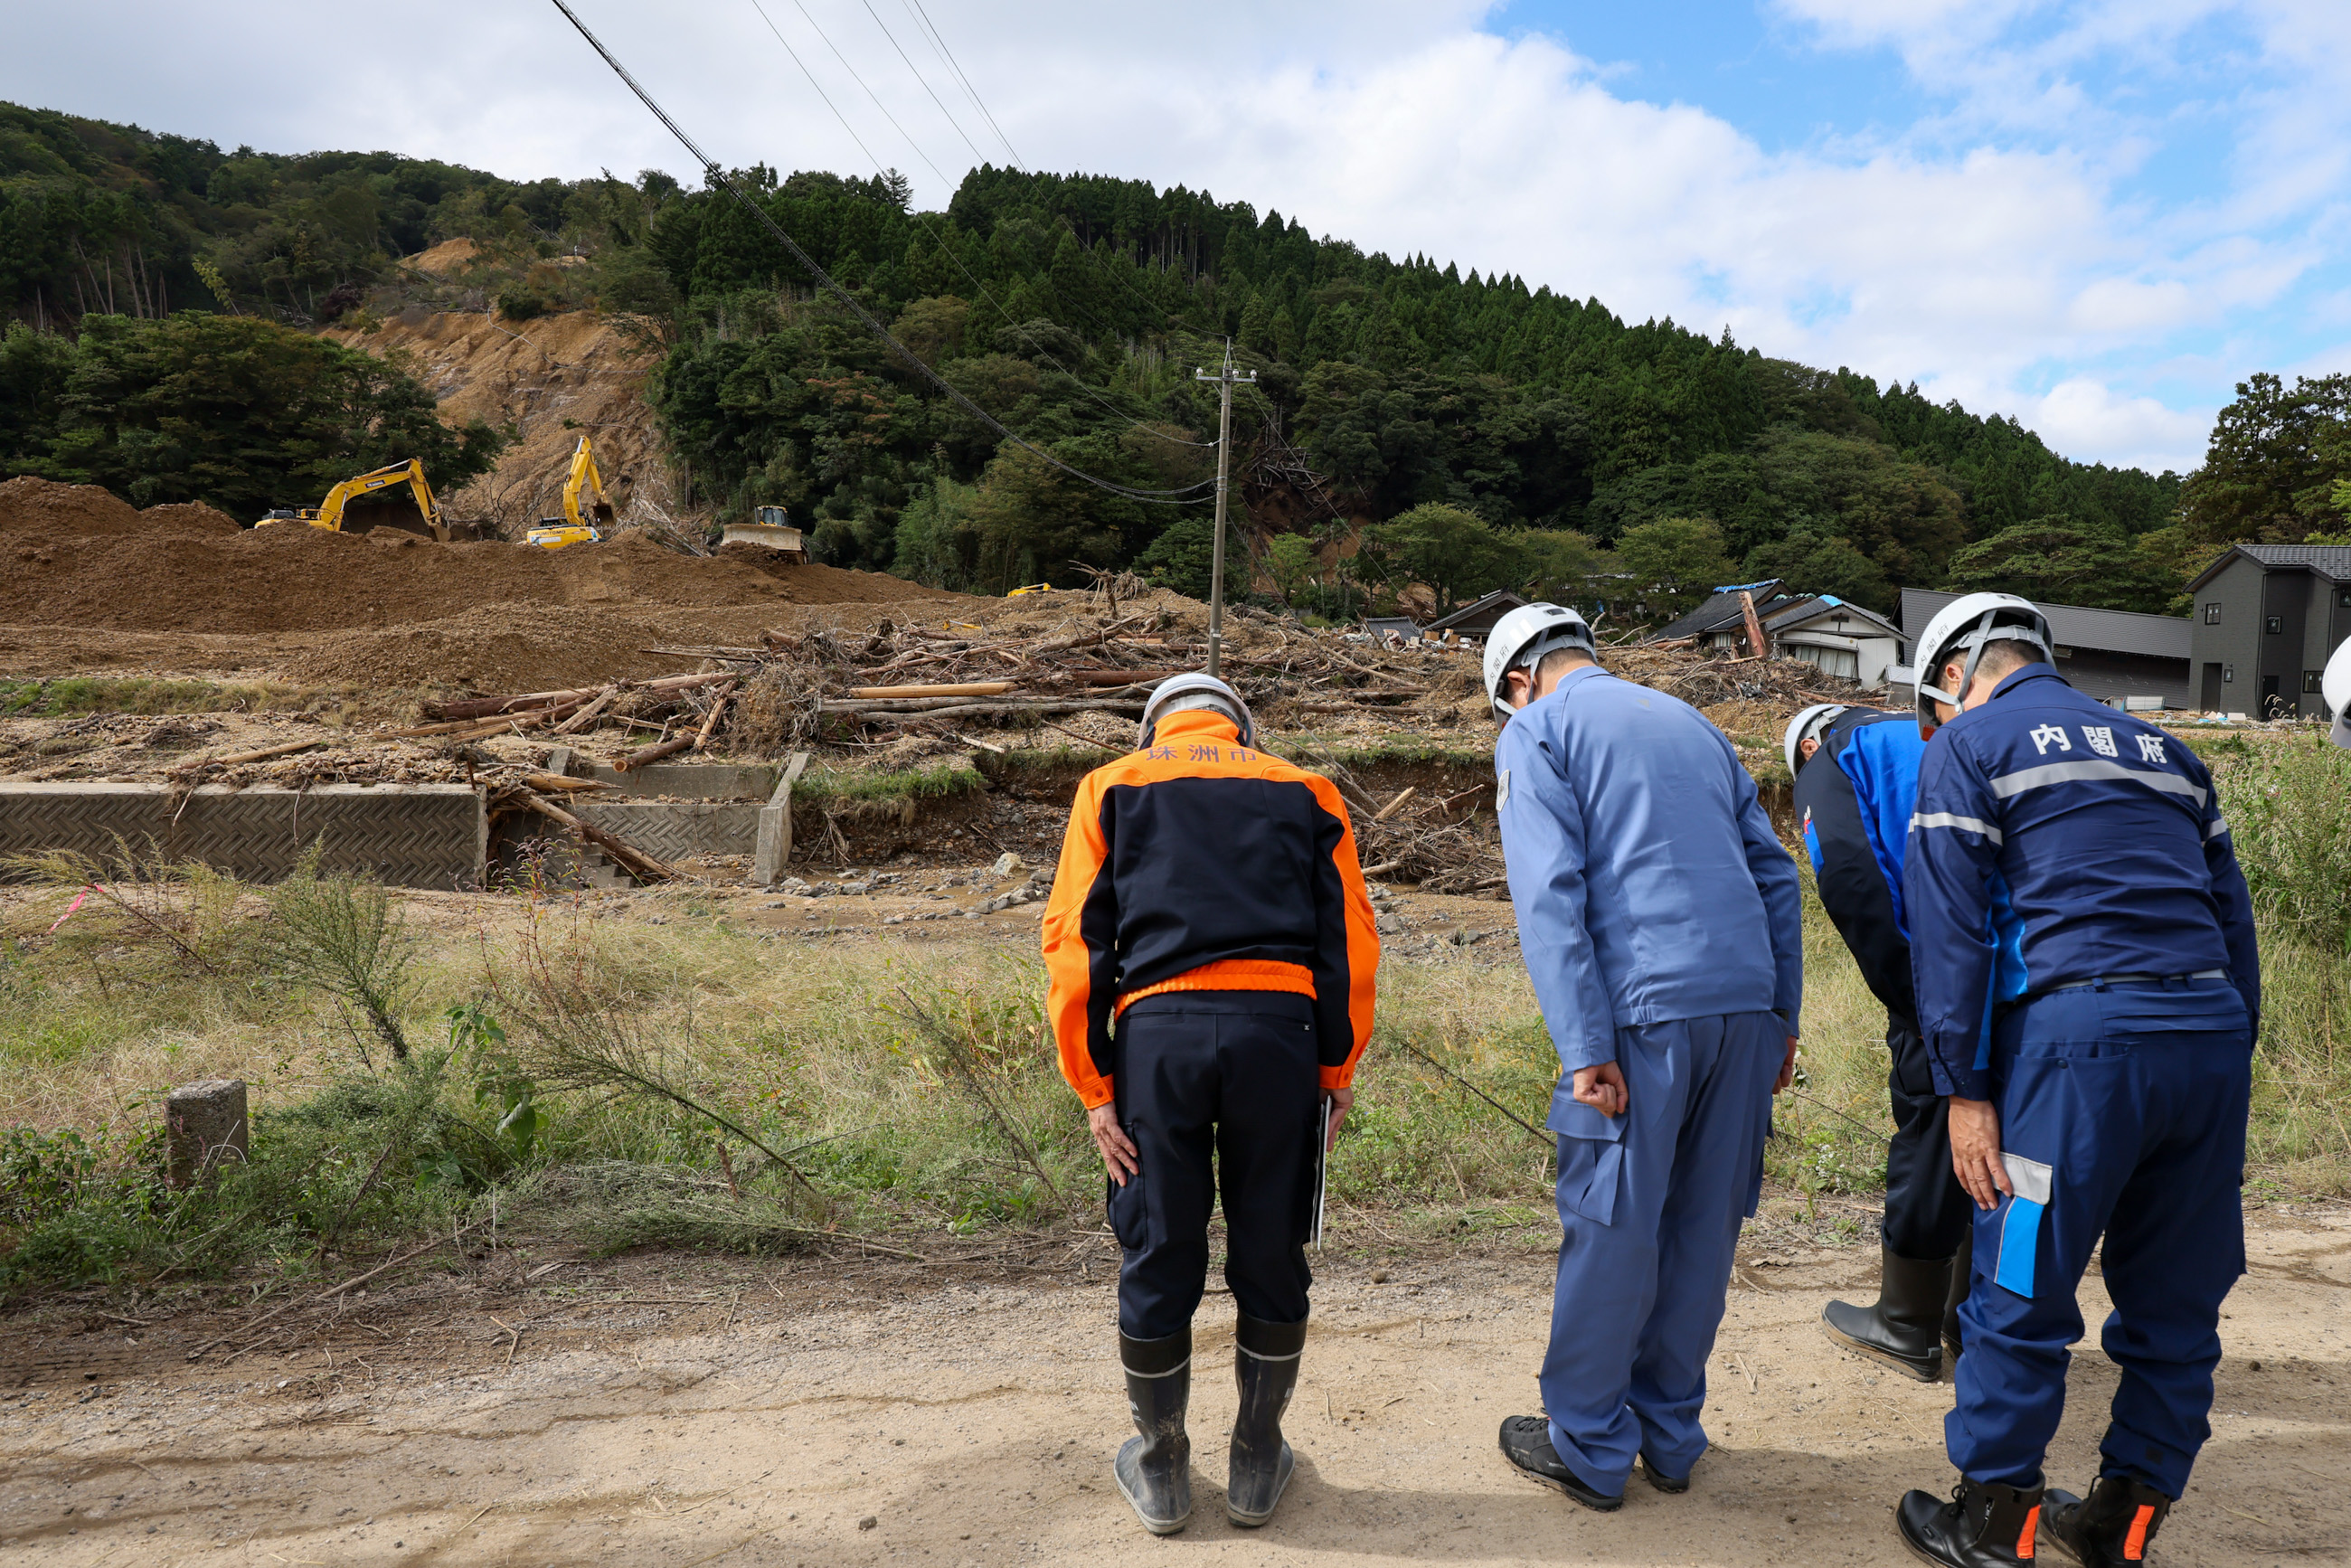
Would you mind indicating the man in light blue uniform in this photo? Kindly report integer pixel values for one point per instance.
(2089, 990)
(1659, 919)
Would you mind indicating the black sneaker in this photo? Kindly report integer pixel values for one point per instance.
(1526, 1443)
(1672, 1485)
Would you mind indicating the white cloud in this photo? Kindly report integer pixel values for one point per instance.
(1983, 252)
(2082, 414)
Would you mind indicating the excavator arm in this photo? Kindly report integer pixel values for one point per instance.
(584, 478)
(328, 513)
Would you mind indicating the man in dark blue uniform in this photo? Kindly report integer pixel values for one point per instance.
(2089, 988)
(1857, 771)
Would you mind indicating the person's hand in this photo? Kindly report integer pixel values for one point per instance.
(1342, 1102)
(1787, 1068)
(1603, 1089)
(1119, 1155)
(1975, 1151)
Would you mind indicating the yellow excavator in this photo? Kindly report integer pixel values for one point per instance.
(577, 526)
(328, 513)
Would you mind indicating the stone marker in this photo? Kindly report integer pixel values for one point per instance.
(205, 1123)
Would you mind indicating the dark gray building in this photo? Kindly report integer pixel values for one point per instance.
(2265, 619)
(2114, 655)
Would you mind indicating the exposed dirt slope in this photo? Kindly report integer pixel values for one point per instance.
(550, 379)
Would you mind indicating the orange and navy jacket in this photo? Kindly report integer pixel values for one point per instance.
(1200, 865)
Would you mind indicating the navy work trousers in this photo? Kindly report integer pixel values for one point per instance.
(1215, 1085)
(1926, 1209)
(1650, 1204)
(2122, 1110)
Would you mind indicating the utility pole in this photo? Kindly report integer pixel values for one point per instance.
(1225, 377)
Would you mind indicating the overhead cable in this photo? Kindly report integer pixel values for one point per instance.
(946, 248)
(1184, 496)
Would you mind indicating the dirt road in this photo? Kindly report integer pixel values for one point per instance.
(681, 1411)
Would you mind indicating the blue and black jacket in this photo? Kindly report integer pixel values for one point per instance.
(2058, 842)
(1854, 800)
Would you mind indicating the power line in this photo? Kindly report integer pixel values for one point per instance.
(945, 247)
(717, 176)
(919, 77)
(939, 42)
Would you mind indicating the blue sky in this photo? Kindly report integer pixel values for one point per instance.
(2096, 216)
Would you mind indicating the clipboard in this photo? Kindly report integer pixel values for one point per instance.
(1321, 1169)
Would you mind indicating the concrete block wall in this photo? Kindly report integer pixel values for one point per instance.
(417, 835)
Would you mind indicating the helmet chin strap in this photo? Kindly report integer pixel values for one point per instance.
(1968, 676)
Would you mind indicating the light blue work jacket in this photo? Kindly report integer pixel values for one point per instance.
(1648, 883)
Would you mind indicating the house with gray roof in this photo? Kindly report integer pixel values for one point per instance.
(2118, 656)
(1836, 635)
(2265, 619)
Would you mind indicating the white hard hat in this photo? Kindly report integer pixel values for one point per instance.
(1806, 726)
(1526, 634)
(2334, 685)
(1968, 622)
(1178, 692)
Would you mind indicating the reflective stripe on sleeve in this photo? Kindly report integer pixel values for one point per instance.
(2072, 772)
(2216, 827)
(1949, 820)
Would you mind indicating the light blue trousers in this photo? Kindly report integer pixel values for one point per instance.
(1650, 1204)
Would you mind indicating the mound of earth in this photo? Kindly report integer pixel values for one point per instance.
(83, 557)
(33, 510)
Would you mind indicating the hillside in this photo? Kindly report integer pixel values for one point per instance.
(1073, 308)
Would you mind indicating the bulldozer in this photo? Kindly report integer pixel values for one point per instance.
(771, 528)
(328, 513)
(577, 526)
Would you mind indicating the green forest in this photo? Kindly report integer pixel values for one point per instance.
(1408, 424)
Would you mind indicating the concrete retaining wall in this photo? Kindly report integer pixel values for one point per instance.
(673, 830)
(422, 835)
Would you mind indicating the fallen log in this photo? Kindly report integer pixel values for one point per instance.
(557, 782)
(653, 753)
(264, 755)
(481, 729)
(637, 862)
(1000, 710)
(710, 725)
(483, 708)
(965, 689)
(588, 716)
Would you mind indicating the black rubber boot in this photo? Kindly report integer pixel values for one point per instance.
(1985, 1525)
(1154, 1470)
(1904, 1330)
(1962, 1282)
(2112, 1526)
(1265, 1369)
(1526, 1443)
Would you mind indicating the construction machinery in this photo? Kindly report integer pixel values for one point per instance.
(328, 513)
(577, 526)
(770, 529)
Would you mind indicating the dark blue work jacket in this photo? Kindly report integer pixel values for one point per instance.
(2059, 842)
(1854, 800)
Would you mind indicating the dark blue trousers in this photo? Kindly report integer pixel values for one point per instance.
(2122, 1111)
(1215, 1088)
(1650, 1204)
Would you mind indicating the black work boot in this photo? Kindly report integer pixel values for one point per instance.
(2110, 1527)
(1154, 1470)
(1962, 1282)
(1985, 1525)
(1265, 1369)
(1904, 1330)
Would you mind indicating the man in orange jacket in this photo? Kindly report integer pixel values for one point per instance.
(1211, 952)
